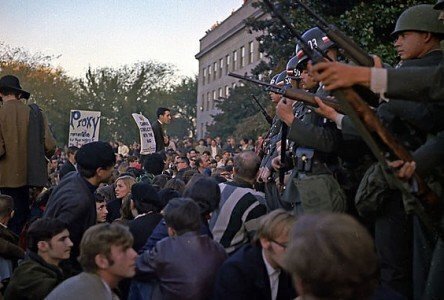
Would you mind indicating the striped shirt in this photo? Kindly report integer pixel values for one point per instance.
(237, 218)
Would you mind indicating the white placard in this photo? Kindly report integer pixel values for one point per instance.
(84, 127)
(147, 140)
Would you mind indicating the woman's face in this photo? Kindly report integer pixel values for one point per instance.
(121, 189)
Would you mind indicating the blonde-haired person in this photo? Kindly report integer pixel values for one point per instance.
(255, 270)
(123, 186)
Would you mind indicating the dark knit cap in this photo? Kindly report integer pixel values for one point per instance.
(145, 193)
(95, 155)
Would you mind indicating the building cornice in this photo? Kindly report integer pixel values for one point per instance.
(257, 14)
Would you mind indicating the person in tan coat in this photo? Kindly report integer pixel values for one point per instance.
(25, 140)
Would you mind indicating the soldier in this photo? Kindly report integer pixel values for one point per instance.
(418, 34)
(266, 174)
(312, 187)
(414, 84)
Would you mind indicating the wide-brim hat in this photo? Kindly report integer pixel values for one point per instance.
(10, 82)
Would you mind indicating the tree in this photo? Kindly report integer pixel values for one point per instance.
(236, 110)
(50, 87)
(119, 92)
(183, 96)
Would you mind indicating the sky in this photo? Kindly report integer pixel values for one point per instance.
(112, 33)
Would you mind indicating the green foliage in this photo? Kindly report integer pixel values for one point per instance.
(183, 98)
(119, 92)
(237, 109)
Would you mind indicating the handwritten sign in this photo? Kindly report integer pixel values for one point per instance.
(147, 140)
(84, 127)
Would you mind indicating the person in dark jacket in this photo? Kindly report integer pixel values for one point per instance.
(37, 275)
(73, 202)
(69, 165)
(145, 206)
(255, 270)
(185, 264)
(163, 117)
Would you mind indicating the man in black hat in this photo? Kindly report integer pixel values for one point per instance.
(73, 202)
(25, 140)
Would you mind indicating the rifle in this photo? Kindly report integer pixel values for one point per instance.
(349, 47)
(263, 111)
(292, 93)
(363, 118)
(284, 131)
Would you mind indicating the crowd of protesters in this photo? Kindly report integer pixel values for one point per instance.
(208, 219)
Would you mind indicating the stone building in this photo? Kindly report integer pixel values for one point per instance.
(226, 47)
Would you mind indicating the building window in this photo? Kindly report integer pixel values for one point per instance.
(209, 73)
(251, 53)
(227, 64)
(215, 70)
(221, 67)
(214, 98)
(242, 58)
(202, 104)
(204, 76)
(227, 91)
(221, 95)
(234, 60)
(208, 100)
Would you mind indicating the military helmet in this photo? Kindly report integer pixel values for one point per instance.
(419, 18)
(273, 80)
(316, 39)
(292, 71)
(281, 79)
(439, 4)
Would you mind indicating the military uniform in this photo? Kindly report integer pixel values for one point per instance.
(313, 186)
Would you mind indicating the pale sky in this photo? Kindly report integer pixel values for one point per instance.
(112, 33)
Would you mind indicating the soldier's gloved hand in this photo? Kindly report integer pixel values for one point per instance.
(264, 174)
(335, 75)
(405, 171)
(276, 163)
(284, 110)
(325, 110)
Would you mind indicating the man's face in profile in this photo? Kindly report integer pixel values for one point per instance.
(166, 117)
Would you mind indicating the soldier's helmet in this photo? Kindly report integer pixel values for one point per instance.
(292, 71)
(316, 39)
(282, 78)
(275, 77)
(439, 4)
(420, 18)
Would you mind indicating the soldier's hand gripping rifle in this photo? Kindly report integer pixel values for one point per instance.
(364, 118)
(291, 93)
(263, 111)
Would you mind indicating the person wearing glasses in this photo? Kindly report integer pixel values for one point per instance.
(255, 270)
(182, 165)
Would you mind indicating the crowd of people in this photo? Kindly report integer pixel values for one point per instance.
(311, 214)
